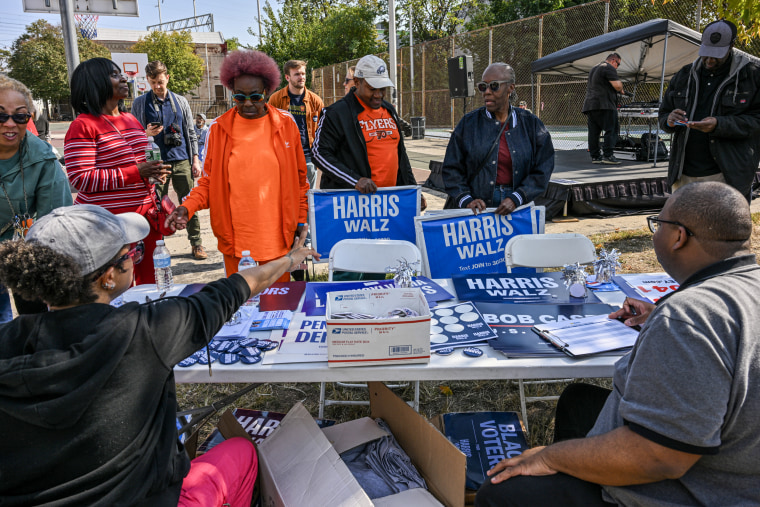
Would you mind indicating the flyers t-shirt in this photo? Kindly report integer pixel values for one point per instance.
(381, 136)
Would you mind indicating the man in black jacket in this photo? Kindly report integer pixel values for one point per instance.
(358, 143)
(712, 107)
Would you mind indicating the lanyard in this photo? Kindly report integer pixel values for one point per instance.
(20, 222)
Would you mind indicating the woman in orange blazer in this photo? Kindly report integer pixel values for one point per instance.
(254, 172)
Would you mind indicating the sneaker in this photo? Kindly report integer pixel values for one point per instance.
(199, 253)
(611, 160)
(596, 160)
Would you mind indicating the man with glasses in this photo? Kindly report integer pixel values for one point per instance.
(679, 426)
(712, 108)
(167, 117)
(600, 108)
(499, 156)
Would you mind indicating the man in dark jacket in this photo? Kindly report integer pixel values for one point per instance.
(358, 143)
(480, 172)
(600, 108)
(712, 107)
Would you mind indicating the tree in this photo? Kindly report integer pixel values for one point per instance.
(321, 33)
(38, 59)
(745, 14)
(5, 56)
(175, 50)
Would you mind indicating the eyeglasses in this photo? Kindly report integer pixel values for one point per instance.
(348, 80)
(493, 85)
(654, 221)
(19, 118)
(254, 97)
(135, 253)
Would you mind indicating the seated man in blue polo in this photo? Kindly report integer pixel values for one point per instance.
(499, 156)
(680, 424)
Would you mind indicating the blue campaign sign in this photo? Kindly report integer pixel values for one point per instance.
(463, 242)
(316, 292)
(537, 288)
(347, 214)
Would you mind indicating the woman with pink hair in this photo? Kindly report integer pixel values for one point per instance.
(254, 173)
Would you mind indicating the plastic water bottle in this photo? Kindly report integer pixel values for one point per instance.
(246, 262)
(152, 153)
(162, 264)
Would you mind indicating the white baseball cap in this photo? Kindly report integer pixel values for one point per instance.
(89, 234)
(374, 71)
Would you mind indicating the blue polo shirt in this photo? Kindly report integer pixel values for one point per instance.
(161, 111)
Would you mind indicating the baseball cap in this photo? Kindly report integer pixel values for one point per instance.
(374, 71)
(202, 116)
(89, 234)
(717, 39)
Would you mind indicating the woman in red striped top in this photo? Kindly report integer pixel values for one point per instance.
(105, 150)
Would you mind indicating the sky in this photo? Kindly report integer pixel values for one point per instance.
(232, 20)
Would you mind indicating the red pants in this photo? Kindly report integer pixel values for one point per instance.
(223, 476)
(231, 266)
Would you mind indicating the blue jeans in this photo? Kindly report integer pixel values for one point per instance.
(500, 192)
(6, 312)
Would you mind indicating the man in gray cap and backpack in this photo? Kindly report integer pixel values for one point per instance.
(712, 108)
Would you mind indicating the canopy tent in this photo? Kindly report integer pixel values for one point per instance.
(650, 52)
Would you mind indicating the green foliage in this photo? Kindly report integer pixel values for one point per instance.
(320, 33)
(38, 59)
(435, 19)
(745, 14)
(175, 50)
(233, 43)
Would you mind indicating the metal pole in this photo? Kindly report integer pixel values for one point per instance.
(607, 16)
(208, 74)
(195, 14)
(69, 30)
(662, 88)
(411, 58)
(159, 12)
(258, 10)
(392, 48)
(699, 15)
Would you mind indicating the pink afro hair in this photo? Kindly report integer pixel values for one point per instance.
(252, 63)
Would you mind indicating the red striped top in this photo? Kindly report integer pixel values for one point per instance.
(102, 162)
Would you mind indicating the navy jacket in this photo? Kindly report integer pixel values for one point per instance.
(532, 157)
(339, 149)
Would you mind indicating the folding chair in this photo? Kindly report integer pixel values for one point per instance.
(368, 256)
(543, 251)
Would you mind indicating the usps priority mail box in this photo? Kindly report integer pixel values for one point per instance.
(367, 342)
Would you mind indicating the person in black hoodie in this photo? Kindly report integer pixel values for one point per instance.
(87, 394)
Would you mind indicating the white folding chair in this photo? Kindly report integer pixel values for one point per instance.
(368, 256)
(543, 251)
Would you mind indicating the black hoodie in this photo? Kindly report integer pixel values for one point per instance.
(88, 402)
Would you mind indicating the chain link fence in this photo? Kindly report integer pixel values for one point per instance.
(422, 77)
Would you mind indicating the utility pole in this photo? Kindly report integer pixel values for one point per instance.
(69, 30)
(392, 48)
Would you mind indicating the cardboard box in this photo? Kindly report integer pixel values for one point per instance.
(366, 342)
(300, 464)
(485, 438)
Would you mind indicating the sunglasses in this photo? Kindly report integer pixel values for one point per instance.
(493, 85)
(18, 118)
(135, 253)
(654, 221)
(348, 80)
(254, 97)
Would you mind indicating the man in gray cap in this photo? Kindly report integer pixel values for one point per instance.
(712, 108)
(358, 143)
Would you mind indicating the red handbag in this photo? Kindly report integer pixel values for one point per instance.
(156, 215)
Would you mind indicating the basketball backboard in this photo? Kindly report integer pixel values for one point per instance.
(132, 64)
(99, 7)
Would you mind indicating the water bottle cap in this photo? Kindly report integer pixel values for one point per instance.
(246, 253)
(160, 242)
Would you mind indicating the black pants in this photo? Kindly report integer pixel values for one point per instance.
(602, 120)
(577, 410)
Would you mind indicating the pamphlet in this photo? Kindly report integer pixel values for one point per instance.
(589, 335)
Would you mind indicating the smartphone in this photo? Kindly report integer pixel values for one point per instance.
(684, 123)
(155, 124)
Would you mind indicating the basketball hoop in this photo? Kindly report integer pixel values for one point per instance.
(87, 24)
